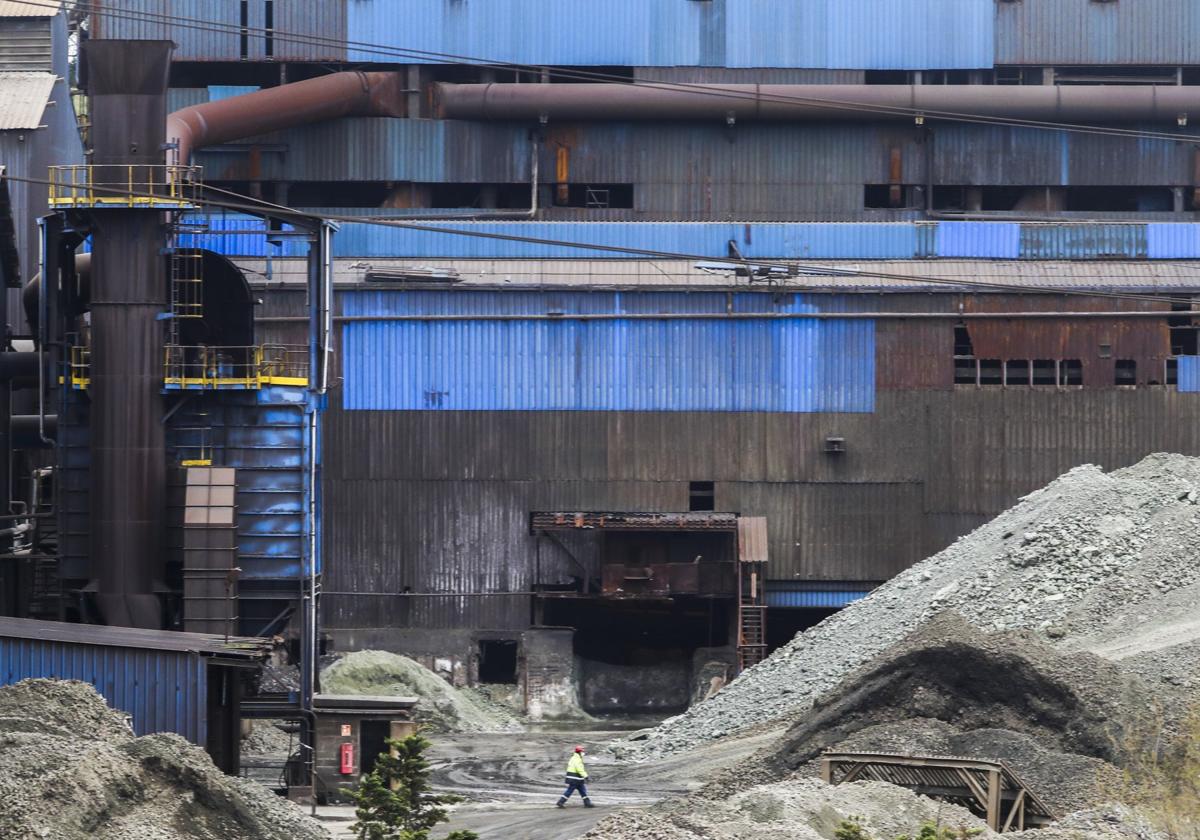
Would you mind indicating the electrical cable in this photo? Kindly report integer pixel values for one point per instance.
(183, 22)
(259, 207)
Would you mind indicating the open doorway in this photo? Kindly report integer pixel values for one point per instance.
(373, 735)
(498, 661)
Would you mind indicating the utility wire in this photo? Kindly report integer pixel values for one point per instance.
(716, 91)
(248, 204)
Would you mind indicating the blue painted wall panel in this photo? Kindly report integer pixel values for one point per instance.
(813, 600)
(1094, 241)
(853, 34)
(1189, 374)
(1166, 241)
(973, 240)
(620, 365)
(163, 691)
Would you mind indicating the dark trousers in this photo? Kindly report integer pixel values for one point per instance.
(573, 785)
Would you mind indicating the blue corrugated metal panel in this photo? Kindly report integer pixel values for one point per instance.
(264, 437)
(242, 238)
(1001, 240)
(817, 241)
(703, 365)
(163, 691)
(218, 92)
(1172, 240)
(1094, 241)
(1189, 374)
(825, 600)
(853, 34)
(861, 34)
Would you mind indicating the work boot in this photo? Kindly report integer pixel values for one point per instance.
(587, 802)
(562, 801)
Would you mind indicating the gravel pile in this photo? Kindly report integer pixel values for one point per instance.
(807, 809)
(441, 707)
(1067, 562)
(71, 769)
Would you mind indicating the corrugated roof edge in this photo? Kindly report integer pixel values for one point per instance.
(243, 647)
(42, 9)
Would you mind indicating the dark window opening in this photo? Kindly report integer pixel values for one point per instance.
(1172, 372)
(1121, 199)
(892, 196)
(701, 495)
(372, 742)
(198, 74)
(269, 26)
(946, 77)
(1125, 372)
(1042, 198)
(1016, 372)
(991, 372)
(887, 77)
(783, 624)
(597, 196)
(484, 196)
(962, 341)
(244, 37)
(1183, 331)
(1019, 75)
(1045, 372)
(966, 372)
(1070, 372)
(498, 661)
(1115, 75)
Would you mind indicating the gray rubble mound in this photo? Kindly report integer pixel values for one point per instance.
(71, 769)
(441, 706)
(1068, 562)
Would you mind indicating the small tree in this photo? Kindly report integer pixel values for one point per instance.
(394, 802)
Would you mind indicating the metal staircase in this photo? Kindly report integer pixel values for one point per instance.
(752, 603)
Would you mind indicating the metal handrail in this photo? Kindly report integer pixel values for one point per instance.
(124, 185)
(223, 367)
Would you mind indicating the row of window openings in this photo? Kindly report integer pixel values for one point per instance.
(1115, 199)
(1061, 373)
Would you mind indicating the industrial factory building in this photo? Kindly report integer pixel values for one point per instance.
(594, 348)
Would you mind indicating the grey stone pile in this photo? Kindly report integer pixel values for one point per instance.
(1066, 562)
(71, 769)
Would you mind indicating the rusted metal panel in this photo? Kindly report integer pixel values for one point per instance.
(752, 539)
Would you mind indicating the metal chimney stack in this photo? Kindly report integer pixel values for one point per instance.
(127, 82)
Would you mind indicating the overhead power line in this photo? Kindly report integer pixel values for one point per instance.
(183, 22)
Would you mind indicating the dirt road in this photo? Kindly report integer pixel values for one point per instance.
(511, 782)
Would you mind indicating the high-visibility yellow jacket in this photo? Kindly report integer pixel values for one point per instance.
(575, 768)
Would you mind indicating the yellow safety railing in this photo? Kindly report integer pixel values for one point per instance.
(124, 185)
(195, 446)
(252, 367)
(80, 370)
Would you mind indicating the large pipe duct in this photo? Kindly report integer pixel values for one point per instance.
(1048, 103)
(33, 289)
(128, 472)
(346, 94)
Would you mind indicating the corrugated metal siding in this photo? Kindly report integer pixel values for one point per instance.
(1076, 32)
(860, 34)
(789, 365)
(325, 21)
(1189, 374)
(26, 44)
(163, 691)
(966, 239)
(850, 34)
(781, 595)
(36, 9)
(1099, 241)
(216, 39)
(1167, 241)
(23, 98)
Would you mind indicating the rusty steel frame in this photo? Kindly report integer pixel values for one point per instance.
(989, 788)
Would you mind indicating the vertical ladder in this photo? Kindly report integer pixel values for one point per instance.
(752, 602)
(187, 288)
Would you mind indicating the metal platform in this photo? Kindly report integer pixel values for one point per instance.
(989, 789)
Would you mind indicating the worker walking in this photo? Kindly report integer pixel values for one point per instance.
(576, 780)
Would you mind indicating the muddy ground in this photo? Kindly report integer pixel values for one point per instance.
(511, 782)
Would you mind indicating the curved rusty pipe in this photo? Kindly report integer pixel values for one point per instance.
(345, 94)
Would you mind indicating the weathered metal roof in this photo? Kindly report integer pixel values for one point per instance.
(131, 637)
(23, 98)
(29, 8)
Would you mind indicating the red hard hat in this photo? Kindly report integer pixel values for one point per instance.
(579, 749)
